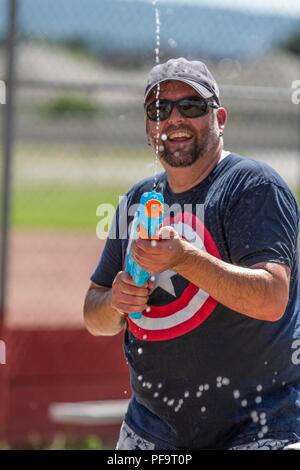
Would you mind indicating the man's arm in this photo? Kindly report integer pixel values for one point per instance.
(260, 291)
(106, 309)
(100, 317)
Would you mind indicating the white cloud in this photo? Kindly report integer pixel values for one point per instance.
(282, 7)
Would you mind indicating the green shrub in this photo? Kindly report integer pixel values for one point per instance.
(71, 106)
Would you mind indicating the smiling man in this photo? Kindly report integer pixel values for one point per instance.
(211, 358)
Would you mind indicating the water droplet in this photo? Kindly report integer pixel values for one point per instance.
(186, 394)
(140, 377)
(258, 399)
(140, 350)
(273, 381)
(152, 278)
(144, 384)
(206, 387)
(149, 385)
(125, 392)
(265, 429)
(180, 401)
(219, 379)
(225, 381)
(236, 394)
(171, 402)
(219, 385)
(156, 394)
(275, 373)
(164, 137)
(201, 388)
(159, 385)
(244, 403)
(260, 435)
(199, 394)
(259, 388)
(283, 384)
(153, 243)
(203, 409)
(172, 42)
(177, 409)
(253, 414)
(263, 422)
(176, 154)
(161, 148)
(266, 363)
(145, 336)
(263, 415)
(148, 309)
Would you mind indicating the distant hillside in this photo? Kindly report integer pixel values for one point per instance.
(128, 26)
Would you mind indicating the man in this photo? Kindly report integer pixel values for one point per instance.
(213, 360)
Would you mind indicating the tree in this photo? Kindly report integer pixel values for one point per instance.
(292, 44)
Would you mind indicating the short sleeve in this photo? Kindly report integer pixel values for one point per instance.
(262, 226)
(109, 265)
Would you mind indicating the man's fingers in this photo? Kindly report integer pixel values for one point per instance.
(126, 278)
(168, 232)
(125, 284)
(131, 308)
(134, 290)
(132, 300)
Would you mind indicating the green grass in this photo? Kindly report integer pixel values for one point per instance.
(59, 208)
(58, 204)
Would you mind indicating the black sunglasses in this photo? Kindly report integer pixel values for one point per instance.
(192, 107)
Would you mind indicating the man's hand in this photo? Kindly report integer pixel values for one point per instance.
(157, 256)
(126, 297)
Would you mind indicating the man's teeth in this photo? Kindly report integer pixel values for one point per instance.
(179, 135)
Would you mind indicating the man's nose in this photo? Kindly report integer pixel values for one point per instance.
(175, 115)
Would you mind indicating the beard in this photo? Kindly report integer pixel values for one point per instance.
(187, 155)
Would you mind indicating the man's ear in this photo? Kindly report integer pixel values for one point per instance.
(222, 119)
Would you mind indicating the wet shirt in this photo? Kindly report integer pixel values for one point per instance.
(202, 375)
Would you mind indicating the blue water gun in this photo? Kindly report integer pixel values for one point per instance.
(147, 221)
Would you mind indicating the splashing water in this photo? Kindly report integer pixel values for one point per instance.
(258, 417)
(158, 147)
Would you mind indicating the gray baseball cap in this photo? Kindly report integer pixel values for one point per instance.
(194, 73)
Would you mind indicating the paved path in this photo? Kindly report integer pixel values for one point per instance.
(48, 278)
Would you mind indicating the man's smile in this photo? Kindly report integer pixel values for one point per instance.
(179, 136)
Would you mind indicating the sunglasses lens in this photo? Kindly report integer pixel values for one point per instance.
(188, 107)
(161, 110)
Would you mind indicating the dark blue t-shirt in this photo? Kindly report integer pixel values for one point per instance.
(202, 375)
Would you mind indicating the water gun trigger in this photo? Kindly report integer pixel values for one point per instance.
(147, 224)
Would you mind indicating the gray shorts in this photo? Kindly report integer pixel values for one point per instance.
(129, 440)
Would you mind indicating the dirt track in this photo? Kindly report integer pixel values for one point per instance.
(48, 277)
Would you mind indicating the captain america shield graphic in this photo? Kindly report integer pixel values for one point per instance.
(176, 305)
